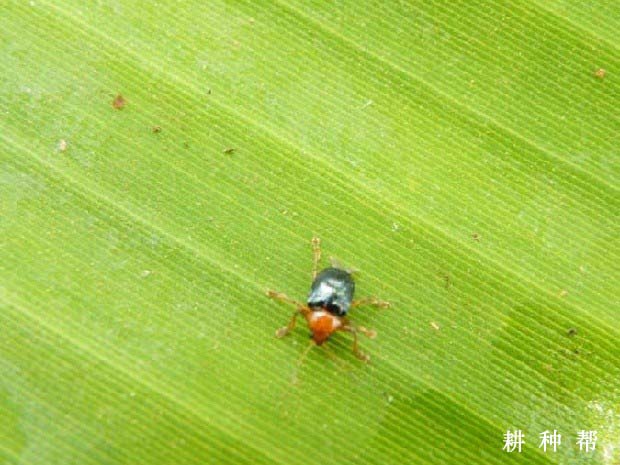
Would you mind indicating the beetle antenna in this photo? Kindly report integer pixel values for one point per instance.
(301, 359)
(342, 366)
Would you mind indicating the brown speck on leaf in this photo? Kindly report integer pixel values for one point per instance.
(445, 277)
(62, 145)
(600, 73)
(571, 332)
(435, 326)
(118, 102)
(156, 129)
(228, 150)
(476, 237)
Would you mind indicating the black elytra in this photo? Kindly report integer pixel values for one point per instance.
(332, 290)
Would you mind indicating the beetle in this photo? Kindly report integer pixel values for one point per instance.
(328, 303)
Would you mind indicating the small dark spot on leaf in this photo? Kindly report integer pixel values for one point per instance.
(571, 332)
(228, 150)
(445, 277)
(156, 129)
(118, 102)
(600, 73)
(475, 236)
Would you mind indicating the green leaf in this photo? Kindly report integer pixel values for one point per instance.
(164, 164)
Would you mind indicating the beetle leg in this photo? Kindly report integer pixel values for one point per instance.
(356, 350)
(370, 301)
(281, 332)
(369, 333)
(301, 308)
(284, 298)
(316, 255)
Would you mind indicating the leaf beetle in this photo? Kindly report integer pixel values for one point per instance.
(328, 303)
